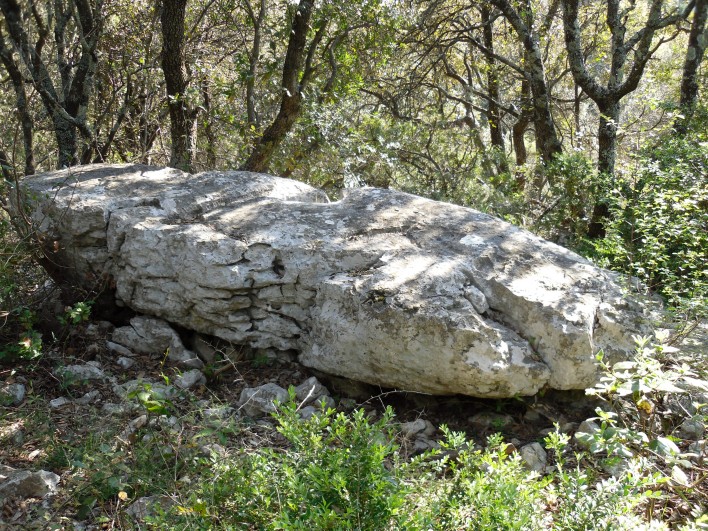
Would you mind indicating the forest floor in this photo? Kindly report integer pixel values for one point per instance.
(112, 450)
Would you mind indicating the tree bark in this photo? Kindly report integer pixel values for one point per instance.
(697, 40)
(607, 135)
(547, 142)
(254, 58)
(621, 81)
(67, 106)
(292, 86)
(518, 132)
(5, 167)
(182, 118)
(496, 132)
(18, 84)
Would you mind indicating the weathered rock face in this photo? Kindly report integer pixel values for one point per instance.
(382, 286)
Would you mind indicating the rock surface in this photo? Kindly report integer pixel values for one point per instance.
(381, 287)
(26, 483)
(260, 401)
(12, 394)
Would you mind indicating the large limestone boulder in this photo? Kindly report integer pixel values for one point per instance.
(382, 287)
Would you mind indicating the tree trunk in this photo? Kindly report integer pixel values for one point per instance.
(67, 106)
(254, 58)
(607, 135)
(496, 132)
(518, 132)
(291, 101)
(606, 157)
(697, 40)
(174, 69)
(5, 166)
(65, 134)
(18, 84)
(547, 142)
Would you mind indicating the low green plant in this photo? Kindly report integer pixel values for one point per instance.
(346, 472)
(637, 389)
(333, 475)
(633, 434)
(19, 278)
(476, 489)
(153, 400)
(76, 314)
(580, 501)
(571, 186)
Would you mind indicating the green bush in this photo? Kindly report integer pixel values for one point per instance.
(332, 476)
(659, 226)
(19, 277)
(345, 472)
(571, 183)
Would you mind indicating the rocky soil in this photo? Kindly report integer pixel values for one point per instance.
(90, 388)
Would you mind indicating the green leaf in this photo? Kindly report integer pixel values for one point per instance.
(664, 446)
(679, 476)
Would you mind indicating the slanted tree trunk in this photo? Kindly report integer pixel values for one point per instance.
(518, 133)
(697, 41)
(182, 118)
(18, 84)
(296, 74)
(253, 60)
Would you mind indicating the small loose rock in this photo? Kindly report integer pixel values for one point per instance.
(16, 483)
(259, 401)
(535, 457)
(190, 379)
(310, 391)
(59, 402)
(12, 394)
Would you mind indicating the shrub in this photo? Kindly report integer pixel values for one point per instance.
(570, 184)
(333, 475)
(659, 226)
(19, 279)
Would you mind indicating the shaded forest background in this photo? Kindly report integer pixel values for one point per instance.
(581, 120)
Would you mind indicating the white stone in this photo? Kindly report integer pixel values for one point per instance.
(125, 363)
(12, 394)
(204, 349)
(16, 483)
(589, 427)
(310, 391)
(189, 379)
(534, 456)
(259, 401)
(81, 373)
(119, 349)
(381, 287)
(307, 412)
(56, 403)
(89, 397)
(148, 335)
(413, 428)
(692, 428)
(146, 506)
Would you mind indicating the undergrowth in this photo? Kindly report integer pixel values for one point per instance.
(339, 470)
